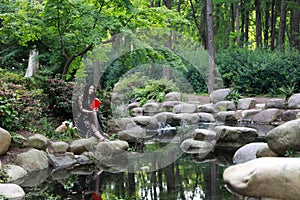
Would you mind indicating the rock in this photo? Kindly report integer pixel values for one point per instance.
(206, 117)
(247, 115)
(185, 108)
(196, 147)
(294, 101)
(173, 96)
(285, 137)
(246, 104)
(124, 123)
(33, 160)
(137, 112)
(265, 152)
(15, 172)
(12, 191)
(146, 122)
(192, 118)
(276, 103)
(207, 108)
(36, 178)
(37, 141)
(267, 116)
(234, 137)
(5, 139)
(227, 116)
(168, 106)
(219, 95)
(289, 115)
(204, 135)
(248, 152)
(58, 147)
(81, 145)
(104, 149)
(224, 106)
(151, 108)
(298, 116)
(134, 135)
(265, 177)
(133, 105)
(62, 162)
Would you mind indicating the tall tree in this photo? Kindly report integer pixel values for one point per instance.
(295, 24)
(273, 23)
(258, 23)
(282, 25)
(211, 50)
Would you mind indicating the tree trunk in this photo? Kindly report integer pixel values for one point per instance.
(273, 24)
(282, 25)
(295, 22)
(211, 50)
(267, 25)
(33, 64)
(237, 23)
(246, 23)
(258, 36)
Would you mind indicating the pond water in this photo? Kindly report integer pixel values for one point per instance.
(188, 177)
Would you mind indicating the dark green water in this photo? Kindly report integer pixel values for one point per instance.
(186, 178)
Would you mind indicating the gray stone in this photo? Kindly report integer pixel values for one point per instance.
(37, 141)
(289, 115)
(133, 105)
(111, 148)
(137, 112)
(185, 108)
(294, 101)
(219, 95)
(173, 96)
(276, 103)
(207, 108)
(15, 172)
(246, 104)
(12, 191)
(285, 137)
(224, 106)
(248, 152)
(147, 122)
(62, 161)
(267, 116)
(192, 118)
(124, 123)
(196, 147)
(81, 145)
(33, 160)
(265, 152)
(135, 135)
(5, 139)
(58, 147)
(227, 116)
(247, 115)
(168, 106)
(151, 108)
(265, 177)
(235, 136)
(204, 135)
(206, 117)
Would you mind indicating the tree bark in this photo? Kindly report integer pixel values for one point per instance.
(267, 25)
(273, 24)
(258, 23)
(294, 25)
(237, 22)
(282, 25)
(211, 50)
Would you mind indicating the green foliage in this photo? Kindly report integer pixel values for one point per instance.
(234, 96)
(3, 175)
(258, 72)
(154, 90)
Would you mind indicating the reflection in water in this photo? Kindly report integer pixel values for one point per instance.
(184, 179)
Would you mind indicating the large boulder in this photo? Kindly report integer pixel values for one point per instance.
(247, 115)
(105, 149)
(207, 108)
(133, 135)
(245, 104)
(219, 95)
(204, 135)
(248, 152)
(81, 145)
(15, 172)
(173, 96)
(12, 191)
(196, 147)
(5, 139)
(37, 141)
(265, 177)
(276, 103)
(151, 108)
(294, 101)
(147, 122)
(227, 116)
(267, 116)
(224, 106)
(285, 137)
(289, 115)
(234, 137)
(206, 117)
(185, 108)
(33, 160)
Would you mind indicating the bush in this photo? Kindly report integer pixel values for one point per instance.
(259, 72)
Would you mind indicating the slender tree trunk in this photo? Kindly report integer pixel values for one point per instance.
(294, 25)
(237, 23)
(281, 34)
(273, 24)
(211, 50)
(267, 24)
(258, 24)
(247, 23)
(198, 25)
